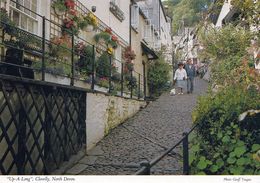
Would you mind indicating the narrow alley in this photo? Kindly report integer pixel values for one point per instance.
(148, 134)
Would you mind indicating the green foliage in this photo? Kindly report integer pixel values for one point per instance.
(189, 11)
(249, 12)
(131, 82)
(6, 23)
(103, 82)
(116, 77)
(85, 61)
(106, 37)
(224, 43)
(158, 75)
(103, 65)
(224, 145)
(225, 48)
(54, 67)
(59, 5)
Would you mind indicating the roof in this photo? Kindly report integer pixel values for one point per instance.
(150, 53)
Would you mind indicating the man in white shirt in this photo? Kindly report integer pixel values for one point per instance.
(257, 65)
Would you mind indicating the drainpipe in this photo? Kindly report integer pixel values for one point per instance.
(130, 26)
(160, 18)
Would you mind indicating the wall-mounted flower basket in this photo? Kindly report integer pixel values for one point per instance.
(89, 22)
(89, 28)
(115, 10)
(106, 38)
(110, 51)
(70, 26)
(129, 54)
(59, 7)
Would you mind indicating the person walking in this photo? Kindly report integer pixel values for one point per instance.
(180, 77)
(191, 73)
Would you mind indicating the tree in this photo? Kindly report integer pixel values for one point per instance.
(189, 11)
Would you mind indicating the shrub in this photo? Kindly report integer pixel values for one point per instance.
(225, 48)
(223, 144)
(158, 76)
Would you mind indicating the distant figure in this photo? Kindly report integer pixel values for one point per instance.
(257, 65)
(191, 73)
(180, 76)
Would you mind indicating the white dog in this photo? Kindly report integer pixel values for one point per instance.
(173, 92)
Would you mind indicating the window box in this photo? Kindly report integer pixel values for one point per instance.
(119, 14)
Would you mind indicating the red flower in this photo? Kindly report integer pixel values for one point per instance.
(108, 30)
(70, 4)
(104, 79)
(68, 23)
(114, 38)
(73, 12)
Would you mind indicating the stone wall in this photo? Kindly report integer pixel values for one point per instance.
(105, 113)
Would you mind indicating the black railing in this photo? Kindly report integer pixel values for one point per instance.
(146, 166)
(51, 57)
(41, 125)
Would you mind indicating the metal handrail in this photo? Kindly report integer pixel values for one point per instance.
(45, 42)
(147, 165)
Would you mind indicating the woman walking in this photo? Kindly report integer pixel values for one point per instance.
(180, 76)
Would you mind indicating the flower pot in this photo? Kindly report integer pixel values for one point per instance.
(88, 28)
(58, 12)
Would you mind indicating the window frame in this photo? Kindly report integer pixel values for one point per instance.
(29, 16)
(135, 16)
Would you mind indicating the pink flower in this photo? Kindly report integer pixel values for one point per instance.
(108, 30)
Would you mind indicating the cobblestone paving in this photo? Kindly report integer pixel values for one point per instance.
(144, 137)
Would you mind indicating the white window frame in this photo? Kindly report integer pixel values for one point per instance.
(30, 16)
(135, 16)
(147, 29)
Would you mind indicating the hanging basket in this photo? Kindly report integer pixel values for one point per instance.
(58, 12)
(88, 28)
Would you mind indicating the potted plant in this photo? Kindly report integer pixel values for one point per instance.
(110, 51)
(129, 54)
(102, 37)
(60, 47)
(6, 24)
(107, 38)
(59, 7)
(85, 53)
(92, 22)
(103, 65)
(70, 26)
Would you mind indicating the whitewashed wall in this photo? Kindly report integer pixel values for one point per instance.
(224, 11)
(105, 113)
(104, 14)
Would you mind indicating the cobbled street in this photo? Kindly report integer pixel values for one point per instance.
(144, 137)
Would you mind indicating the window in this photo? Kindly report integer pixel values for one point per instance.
(24, 18)
(147, 29)
(135, 16)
